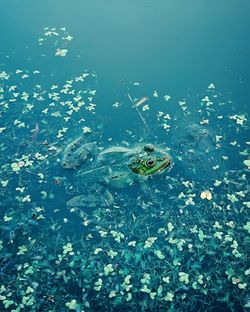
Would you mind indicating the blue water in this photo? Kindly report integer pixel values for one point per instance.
(177, 240)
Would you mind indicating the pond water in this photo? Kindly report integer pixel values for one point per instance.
(124, 164)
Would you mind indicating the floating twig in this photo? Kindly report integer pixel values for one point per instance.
(135, 106)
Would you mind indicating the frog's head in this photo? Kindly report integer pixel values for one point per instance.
(77, 153)
(149, 160)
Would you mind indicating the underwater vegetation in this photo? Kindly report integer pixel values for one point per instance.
(155, 221)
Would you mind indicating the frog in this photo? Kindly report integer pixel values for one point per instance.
(115, 167)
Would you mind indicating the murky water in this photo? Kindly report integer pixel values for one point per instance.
(124, 156)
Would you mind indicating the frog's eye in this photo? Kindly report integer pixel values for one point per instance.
(150, 163)
(149, 148)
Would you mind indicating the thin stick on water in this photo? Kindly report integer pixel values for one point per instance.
(92, 170)
(144, 121)
(139, 103)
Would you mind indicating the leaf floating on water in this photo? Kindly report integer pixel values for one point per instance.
(167, 97)
(86, 129)
(217, 183)
(155, 94)
(22, 250)
(211, 86)
(145, 107)
(244, 153)
(247, 162)
(206, 195)
(4, 75)
(4, 183)
(61, 52)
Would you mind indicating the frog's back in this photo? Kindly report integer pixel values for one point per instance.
(78, 152)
